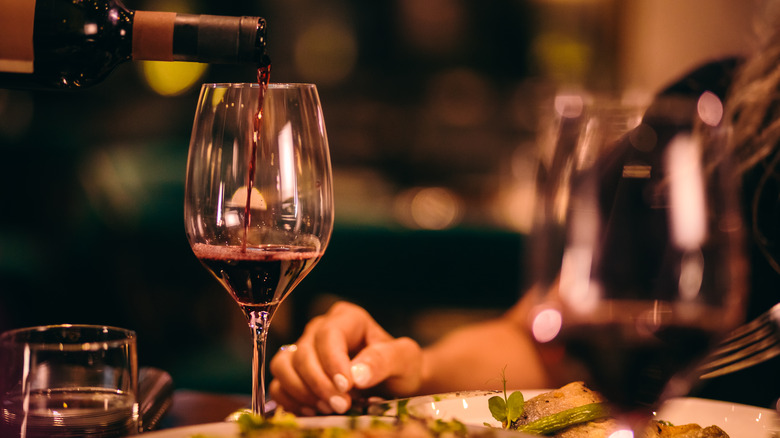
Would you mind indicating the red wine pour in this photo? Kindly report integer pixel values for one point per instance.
(263, 76)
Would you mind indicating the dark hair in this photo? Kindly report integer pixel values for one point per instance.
(753, 109)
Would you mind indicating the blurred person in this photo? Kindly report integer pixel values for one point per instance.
(345, 353)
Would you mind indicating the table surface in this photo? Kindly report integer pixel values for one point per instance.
(197, 407)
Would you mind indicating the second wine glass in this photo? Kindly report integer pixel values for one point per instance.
(258, 206)
(639, 208)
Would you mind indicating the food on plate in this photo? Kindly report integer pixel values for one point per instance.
(573, 410)
(660, 429)
(286, 425)
(576, 411)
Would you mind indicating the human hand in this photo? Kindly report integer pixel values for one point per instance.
(339, 352)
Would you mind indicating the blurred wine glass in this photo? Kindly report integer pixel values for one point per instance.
(258, 206)
(641, 262)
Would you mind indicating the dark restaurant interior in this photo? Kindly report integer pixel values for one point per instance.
(431, 110)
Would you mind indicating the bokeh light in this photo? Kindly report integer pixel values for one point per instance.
(623, 433)
(569, 106)
(172, 78)
(460, 97)
(326, 52)
(576, 288)
(546, 325)
(428, 208)
(433, 27)
(687, 209)
(516, 198)
(710, 108)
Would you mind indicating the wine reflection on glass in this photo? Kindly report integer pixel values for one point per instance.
(258, 203)
(642, 241)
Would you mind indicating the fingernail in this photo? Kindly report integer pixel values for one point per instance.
(324, 407)
(308, 412)
(339, 404)
(361, 374)
(341, 382)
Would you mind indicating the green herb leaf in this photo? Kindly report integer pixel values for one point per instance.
(515, 406)
(506, 409)
(497, 406)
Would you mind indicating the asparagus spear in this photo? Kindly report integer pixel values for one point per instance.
(555, 422)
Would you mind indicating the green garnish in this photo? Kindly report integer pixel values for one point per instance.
(561, 420)
(250, 425)
(507, 409)
(248, 422)
(401, 410)
(441, 427)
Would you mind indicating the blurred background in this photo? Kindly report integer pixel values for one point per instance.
(431, 108)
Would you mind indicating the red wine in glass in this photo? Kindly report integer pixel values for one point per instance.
(631, 365)
(258, 278)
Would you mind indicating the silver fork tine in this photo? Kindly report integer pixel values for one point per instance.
(745, 330)
(748, 345)
(763, 347)
(737, 343)
(736, 366)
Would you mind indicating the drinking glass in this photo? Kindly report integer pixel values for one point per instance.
(641, 246)
(68, 381)
(258, 206)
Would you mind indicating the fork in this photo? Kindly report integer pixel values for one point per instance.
(748, 345)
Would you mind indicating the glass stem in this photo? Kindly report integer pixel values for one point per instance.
(258, 323)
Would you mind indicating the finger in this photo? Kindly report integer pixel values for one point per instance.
(287, 402)
(291, 382)
(397, 362)
(357, 325)
(319, 371)
(301, 373)
(286, 377)
(346, 330)
(306, 368)
(292, 404)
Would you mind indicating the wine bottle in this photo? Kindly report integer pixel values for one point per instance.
(73, 44)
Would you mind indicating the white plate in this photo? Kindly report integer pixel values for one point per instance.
(739, 421)
(230, 430)
(471, 408)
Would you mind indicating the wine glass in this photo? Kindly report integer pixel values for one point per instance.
(641, 246)
(258, 207)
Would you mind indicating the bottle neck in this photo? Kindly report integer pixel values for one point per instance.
(167, 36)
